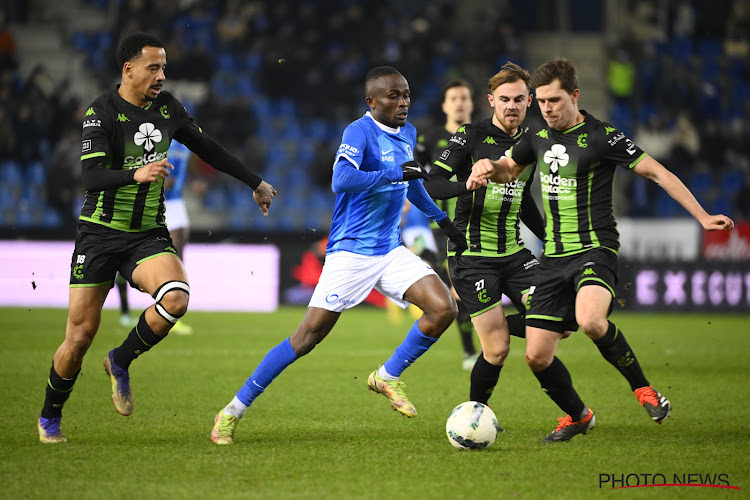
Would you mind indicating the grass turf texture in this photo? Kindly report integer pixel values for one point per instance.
(319, 433)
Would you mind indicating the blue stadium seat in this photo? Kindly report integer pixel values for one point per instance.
(665, 206)
(36, 174)
(731, 182)
(721, 205)
(51, 218)
(10, 173)
(700, 185)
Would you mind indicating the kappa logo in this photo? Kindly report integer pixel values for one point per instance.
(90, 112)
(490, 140)
(543, 134)
(122, 118)
(589, 272)
(148, 135)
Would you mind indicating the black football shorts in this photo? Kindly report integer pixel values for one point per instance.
(100, 252)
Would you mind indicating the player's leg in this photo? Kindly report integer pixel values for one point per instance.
(408, 279)
(592, 306)
(315, 325)
(548, 317)
(492, 329)
(84, 316)
(163, 277)
(556, 382)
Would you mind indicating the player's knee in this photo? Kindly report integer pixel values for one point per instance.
(537, 361)
(304, 341)
(176, 302)
(447, 311)
(593, 326)
(172, 300)
(495, 355)
(80, 337)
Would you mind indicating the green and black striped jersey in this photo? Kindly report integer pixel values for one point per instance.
(429, 146)
(576, 170)
(121, 136)
(490, 215)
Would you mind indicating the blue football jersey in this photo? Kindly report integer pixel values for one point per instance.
(178, 155)
(367, 223)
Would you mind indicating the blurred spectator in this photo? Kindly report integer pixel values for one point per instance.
(8, 48)
(621, 75)
(685, 146)
(654, 137)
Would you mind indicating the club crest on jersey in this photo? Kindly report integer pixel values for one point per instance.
(556, 157)
(148, 135)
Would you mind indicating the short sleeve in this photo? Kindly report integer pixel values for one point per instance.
(615, 147)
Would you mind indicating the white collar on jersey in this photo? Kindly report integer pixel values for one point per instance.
(383, 127)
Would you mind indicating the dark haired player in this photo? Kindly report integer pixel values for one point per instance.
(373, 174)
(126, 135)
(577, 157)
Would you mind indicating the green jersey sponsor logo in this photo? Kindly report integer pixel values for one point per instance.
(589, 272)
(582, 141)
(90, 112)
(490, 140)
(543, 134)
(461, 129)
(122, 118)
(609, 130)
(163, 111)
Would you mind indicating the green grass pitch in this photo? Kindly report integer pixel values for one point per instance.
(319, 433)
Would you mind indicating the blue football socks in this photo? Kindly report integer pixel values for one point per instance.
(414, 345)
(269, 368)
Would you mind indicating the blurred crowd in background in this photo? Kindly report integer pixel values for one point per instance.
(284, 78)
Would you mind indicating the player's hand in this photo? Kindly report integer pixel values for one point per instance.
(412, 169)
(717, 223)
(263, 195)
(474, 182)
(483, 169)
(453, 234)
(153, 171)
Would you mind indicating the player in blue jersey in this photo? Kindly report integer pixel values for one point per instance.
(373, 174)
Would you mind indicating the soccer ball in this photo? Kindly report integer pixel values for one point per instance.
(472, 426)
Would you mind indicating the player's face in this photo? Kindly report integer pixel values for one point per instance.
(510, 102)
(458, 105)
(559, 108)
(389, 100)
(145, 74)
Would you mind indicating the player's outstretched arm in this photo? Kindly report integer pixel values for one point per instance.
(263, 195)
(655, 171)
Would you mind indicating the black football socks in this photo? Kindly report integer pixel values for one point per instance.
(58, 392)
(615, 349)
(139, 340)
(556, 382)
(484, 377)
(465, 329)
